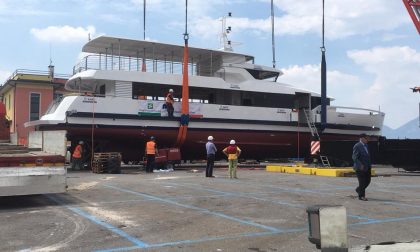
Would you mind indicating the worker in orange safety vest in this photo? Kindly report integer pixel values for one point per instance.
(151, 152)
(169, 100)
(76, 163)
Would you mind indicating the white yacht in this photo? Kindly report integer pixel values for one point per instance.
(120, 88)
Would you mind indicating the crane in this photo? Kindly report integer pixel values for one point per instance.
(413, 8)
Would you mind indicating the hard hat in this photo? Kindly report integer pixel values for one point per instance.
(80, 142)
(171, 90)
(210, 138)
(152, 138)
(232, 141)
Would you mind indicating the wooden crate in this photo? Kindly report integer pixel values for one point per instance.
(100, 160)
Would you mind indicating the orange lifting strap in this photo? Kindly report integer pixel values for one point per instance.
(182, 133)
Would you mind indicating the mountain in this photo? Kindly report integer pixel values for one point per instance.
(409, 130)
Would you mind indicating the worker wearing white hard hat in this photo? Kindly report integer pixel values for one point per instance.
(169, 102)
(232, 152)
(211, 154)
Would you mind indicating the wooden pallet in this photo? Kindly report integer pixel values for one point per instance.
(100, 160)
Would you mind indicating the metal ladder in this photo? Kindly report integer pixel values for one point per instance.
(324, 160)
(311, 124)
(314, 132)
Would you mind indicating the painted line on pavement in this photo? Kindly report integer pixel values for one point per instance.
(237, 194)
(218, 238)
(138, 243)
(386, 220)
(204, 210)
(247, 195)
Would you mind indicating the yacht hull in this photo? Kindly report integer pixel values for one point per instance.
(255, 144)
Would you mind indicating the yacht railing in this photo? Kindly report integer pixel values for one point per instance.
(341, 109)
(115, 62)
(356, 110)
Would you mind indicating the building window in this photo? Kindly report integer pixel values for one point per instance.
(34, 107)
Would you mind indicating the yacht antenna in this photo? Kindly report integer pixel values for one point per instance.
(272, 34)
(226, 43)
(323, 76)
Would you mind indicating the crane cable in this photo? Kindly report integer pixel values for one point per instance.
(92, 151)
(185, 117)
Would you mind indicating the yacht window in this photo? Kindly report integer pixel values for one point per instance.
(153, 91)
(262, 75)
(246, 102)
(316, 101)
(102, 89)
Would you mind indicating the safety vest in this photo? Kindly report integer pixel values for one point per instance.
(77, 151)
(232, 151)
(150, 148)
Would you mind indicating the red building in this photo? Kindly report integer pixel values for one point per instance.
(26, 96)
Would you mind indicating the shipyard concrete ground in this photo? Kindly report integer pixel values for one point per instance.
(184, 211)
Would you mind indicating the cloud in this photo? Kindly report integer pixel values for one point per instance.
(393, 36)
(340, 85)
(395, 70)
(63, 34)
(111, 18)
(343, 18)
(10, 8)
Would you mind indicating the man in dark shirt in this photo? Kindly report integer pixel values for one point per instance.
(362, 165)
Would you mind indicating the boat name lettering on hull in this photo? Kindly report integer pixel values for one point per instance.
(89, 100)
(224, 107)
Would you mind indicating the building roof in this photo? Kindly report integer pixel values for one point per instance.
(31, 76)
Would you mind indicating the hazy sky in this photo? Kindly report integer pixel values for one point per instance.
(373, 48)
